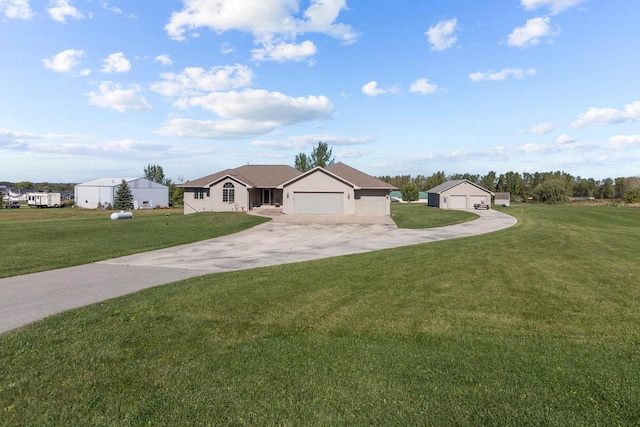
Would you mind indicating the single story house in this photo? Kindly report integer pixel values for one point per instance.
(102, 192)
(458, 194)
(335, 190)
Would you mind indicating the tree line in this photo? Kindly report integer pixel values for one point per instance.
(550, 187)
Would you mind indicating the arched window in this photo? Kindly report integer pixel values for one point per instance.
(228, 193)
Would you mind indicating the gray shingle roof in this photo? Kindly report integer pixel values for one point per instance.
(272, 176)
(450, 184)
(358, 178)
(259, 176)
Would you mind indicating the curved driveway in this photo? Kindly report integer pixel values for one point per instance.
(25, 299)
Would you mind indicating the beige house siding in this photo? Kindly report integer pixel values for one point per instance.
(318, 182)
(241, 196)
(193, 205)
(212, 200)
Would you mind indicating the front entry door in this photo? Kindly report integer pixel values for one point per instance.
(266, 196)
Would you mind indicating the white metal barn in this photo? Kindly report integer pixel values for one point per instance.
(102, 192)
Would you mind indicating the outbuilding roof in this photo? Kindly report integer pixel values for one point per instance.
(106, 182)
(454, 183)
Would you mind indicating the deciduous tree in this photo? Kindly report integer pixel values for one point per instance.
(410, 192)
(154, 173)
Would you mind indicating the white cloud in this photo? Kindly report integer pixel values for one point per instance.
(215, 129)
(621, 142)
(303, 141)
(607, 116)
(442, 35)
(7, 135)
(555, 6)
(115, 9)
(372, 89)
(423, 86)
(196, 80)
(271, 23)
(116, 63)
(247, 113)
(350, 153)
(60, 10)
(531, 33)
(263, 106)
(226, 48)
(540, 128)
(65, 61)
(565, 139)
(321, 16)
(111, 95)
(283, 52)
(164, 59)
(16, 9)
(518, 73)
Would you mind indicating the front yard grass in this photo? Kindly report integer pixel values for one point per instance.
(538, 324)
(417, 215)
(44, 239)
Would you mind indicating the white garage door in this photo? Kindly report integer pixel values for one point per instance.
(457, 202)
(371, 205)
(478, 199)
(318, 203)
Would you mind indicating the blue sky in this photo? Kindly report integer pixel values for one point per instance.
(93, 88)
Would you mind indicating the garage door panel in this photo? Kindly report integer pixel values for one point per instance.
(371, 205)
(458, 202)
(318, 203)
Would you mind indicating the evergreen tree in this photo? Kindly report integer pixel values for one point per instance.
(321, 155)
(124, 197)
(302, 162)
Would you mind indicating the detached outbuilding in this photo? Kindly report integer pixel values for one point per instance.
(458, 194)
(102, 192)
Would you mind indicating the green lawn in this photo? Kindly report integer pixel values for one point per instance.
(44, 239)
(538, 324)
(417, 215)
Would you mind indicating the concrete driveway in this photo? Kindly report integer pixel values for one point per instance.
(25, 299)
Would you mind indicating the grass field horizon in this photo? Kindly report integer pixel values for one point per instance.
(538, 324)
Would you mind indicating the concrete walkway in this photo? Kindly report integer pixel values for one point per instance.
(25, 299)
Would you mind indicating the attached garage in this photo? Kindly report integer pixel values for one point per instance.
(320, 203)
(458, 194)
(371, 205)
(336, 190)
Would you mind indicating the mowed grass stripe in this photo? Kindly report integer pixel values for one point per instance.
(533, 325)
(44, 239)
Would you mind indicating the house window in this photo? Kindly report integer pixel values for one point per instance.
(228, 193)
(199, 193)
